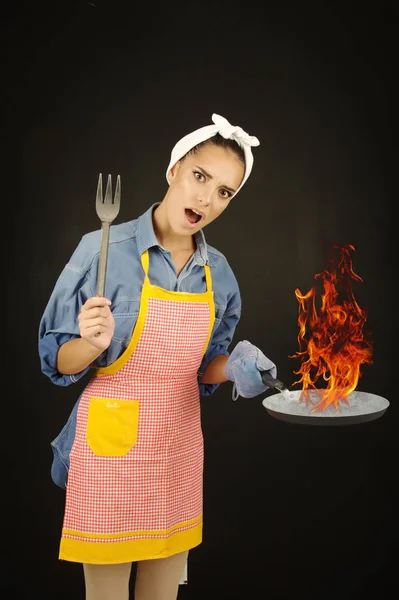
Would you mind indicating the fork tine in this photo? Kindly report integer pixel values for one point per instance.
(108, 191)
(117, 197)
(99, 195)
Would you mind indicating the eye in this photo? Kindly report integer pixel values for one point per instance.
(199, 176)
(225, 194)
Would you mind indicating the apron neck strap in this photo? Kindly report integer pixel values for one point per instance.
(208, 278)
(145, 261)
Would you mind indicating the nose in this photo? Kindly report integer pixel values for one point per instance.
(204, 199)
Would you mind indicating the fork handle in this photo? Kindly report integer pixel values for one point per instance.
(102, 262)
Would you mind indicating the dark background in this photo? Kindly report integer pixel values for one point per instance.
(291, 512)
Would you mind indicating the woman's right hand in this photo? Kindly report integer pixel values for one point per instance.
(96, 322)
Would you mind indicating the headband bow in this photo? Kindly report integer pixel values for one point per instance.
(234, 132)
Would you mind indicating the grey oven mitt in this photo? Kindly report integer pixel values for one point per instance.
(243, 369)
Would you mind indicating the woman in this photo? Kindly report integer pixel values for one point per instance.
(131, 453)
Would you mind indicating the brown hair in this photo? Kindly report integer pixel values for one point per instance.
(219, 140)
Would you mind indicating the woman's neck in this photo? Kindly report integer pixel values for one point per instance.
(166, 237)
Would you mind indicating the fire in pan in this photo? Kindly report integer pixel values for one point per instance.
(332, 347)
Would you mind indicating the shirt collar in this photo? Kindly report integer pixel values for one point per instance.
(146, 237)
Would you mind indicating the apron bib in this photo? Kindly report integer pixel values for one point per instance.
(134, 487)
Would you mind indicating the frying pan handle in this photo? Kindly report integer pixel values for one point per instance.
(271, 382)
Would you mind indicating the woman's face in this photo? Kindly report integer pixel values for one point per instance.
(201, 187)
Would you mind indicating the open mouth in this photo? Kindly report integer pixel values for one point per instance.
(192, 216)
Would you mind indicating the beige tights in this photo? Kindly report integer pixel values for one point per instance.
(156, 579)
(107, 582)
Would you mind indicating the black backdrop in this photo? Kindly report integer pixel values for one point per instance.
(291, 511)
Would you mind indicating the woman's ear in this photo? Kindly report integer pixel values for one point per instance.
(173, 171)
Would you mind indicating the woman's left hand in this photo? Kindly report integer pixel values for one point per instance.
(244, 367)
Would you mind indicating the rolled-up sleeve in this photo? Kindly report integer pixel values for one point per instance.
(220, 342)
(59, 322)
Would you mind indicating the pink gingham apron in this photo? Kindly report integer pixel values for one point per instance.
(134, 488)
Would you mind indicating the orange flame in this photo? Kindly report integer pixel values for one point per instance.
(336, 348)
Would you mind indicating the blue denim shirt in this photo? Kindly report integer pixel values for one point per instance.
(125, 276)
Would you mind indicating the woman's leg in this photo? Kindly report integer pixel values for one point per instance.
(107, 582)
(158, 579)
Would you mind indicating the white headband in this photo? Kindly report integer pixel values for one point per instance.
(222, 126)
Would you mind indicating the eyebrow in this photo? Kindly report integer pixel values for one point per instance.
(210, 177)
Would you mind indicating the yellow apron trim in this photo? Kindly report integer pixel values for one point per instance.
(153, 291)
(161, 294)
(101, 552)
(146, 532)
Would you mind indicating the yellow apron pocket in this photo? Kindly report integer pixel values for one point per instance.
(112, 426)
